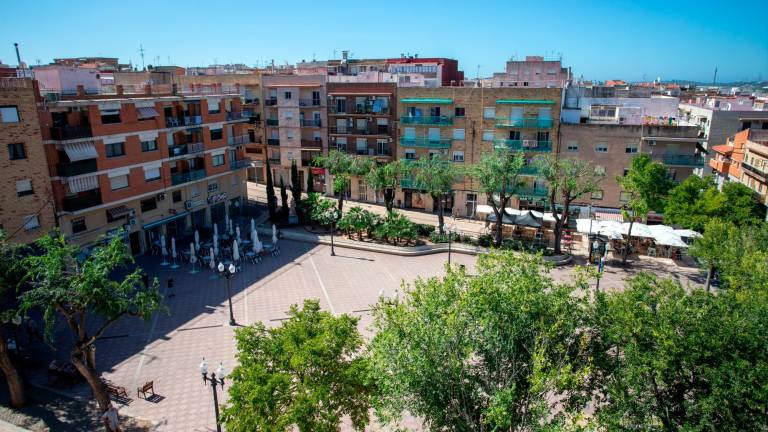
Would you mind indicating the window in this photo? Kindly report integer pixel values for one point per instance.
(119, 182)
(31, 222)
(599, 170)
(489, 112)
(631, 149)
(626, 171)
(78, 225)
(410, 154)
(150, 145)
(176, 196)
(217, 134)
(601, 148)
(597, 195)
(148, 204)
(602, 111)
(459, 112)
(24, 187)
(110, 116)
(213, 186)
(115, 149)
(151, 174)
(458, 134)
(624, 196)
(193, 192)
(572, 147)
(214, 107)
(289, 115)
(218, 160)
(9, 114)
(458, 156)
(487, 135)
(234, 180)
(287, 95)
(16, 151)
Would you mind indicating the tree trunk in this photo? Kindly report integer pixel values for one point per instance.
(558, 236)
(15, 386)
(78, 359)
(497, 230)
(560, 224)
(341, 202)
(710, 275)
(629, 237)
(440, 221)
(389, 199)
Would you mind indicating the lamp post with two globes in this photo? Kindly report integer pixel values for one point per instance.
(216, 379)
(228, 273)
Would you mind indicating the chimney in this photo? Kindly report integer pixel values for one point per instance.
(80, 90)
(119, 89)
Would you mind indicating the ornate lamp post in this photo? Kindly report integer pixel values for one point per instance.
(331, 216)
(228, 273)
(216, 379)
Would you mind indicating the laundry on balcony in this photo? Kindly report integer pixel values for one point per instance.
(81, 151)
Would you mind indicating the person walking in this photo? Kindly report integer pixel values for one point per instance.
(169, 284)
(110, 419)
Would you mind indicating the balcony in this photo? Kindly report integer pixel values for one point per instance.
(76, 203)
(61, 133)
(239, 140)
(273, 122)
(274, 160)
(273, 141)
(184, 149)
(270, 102)
(760, 173)
(193, 120)
(531, 192)
(721, 166)
(185, 177)
(683, 160)
(423, 142)
(524, 122)
(523, 145)
(309, 102)
(348, 130)
(530, 170)
(427, 120)
(236, 115)
(76, 168)
(312, 144)
(239, 164)
(311, 123)
(359, 110)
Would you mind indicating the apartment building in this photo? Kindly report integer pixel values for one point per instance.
(611, 148)
(534, 72)
(27, 209)
(754, 173)
(461, 124)
(618, 105)
(151, 163)
(727, 158)
(414, 71)
(295, 123)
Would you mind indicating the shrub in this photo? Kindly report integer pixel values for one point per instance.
(425, 230)
(436, 237)
(395, 227)
(485, 240)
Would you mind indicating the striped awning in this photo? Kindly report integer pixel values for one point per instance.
(145, 113)
(83, 183)
(81, 151)
(608, 216)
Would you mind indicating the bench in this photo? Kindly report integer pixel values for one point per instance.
(116, 390)
(149, 386)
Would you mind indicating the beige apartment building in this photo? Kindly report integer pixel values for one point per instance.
(611, 148)
(754, 168)
(27, 209)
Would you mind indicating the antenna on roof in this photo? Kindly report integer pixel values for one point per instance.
(714, 79)
(141, 51)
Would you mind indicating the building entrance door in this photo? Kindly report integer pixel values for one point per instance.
(135, 243)
(407, 199)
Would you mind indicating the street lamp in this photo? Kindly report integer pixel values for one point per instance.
(331, 215)
(216, 379)
(228, 273)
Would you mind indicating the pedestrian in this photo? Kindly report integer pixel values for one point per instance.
(110, 419)
(169, 284)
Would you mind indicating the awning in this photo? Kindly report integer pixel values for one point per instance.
(482, 208)
(118, 211)
(81, 151)
(178, 215)
(145, 113)
(84, 183)
(687, 233)
(665, 236)
(427, 101)
(638, 230)
(608, 216)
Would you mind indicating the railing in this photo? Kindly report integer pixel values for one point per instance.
(236, 115)
(681, 160)
(755, 170)
(529, 170)
(441, 143)
(76, 168)
(239, 140)
(530, 191)
(408, 184)
(348, 130)
(427, 120)
(82, 202)
(186, 148)
(309, 102)
(274, 160)
(193, 120)
(188, 176)
(368, 110)
(524, 122)
(523, 145)
(239, 164)
(311, 123)
(273, 122)
(70, 132)
(273, 141)
(312, 143)
(270, 102)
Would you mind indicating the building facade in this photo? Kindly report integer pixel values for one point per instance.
(534, 72)
(727, 158)
(27, 209)
(754, 173)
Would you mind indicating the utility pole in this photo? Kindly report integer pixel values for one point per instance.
(141, 51)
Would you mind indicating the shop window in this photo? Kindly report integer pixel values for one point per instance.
(176, 196)
(148, 205)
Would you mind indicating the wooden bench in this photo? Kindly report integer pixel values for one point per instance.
(116, 390)
(149, 386)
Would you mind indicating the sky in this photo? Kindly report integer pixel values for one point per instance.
(599, 40)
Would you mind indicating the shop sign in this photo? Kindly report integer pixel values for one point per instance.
(212, 199)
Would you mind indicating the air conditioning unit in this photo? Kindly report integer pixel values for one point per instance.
(188, 204)
(161, 196)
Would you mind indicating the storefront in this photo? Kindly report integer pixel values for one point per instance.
(217, 202)
(172, 226)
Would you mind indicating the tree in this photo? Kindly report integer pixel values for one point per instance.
(76, 290)
(310, 181)
(435, 176)
(342, 167)
(498, 176)
(666, 358)
(306, 374)
(271, 198)
(647, 184)
(568, 180)
(11, 273)
(284, 199)
(712, 247)
(295, 184)
(481, 352)
(384, 179)
(741, 205)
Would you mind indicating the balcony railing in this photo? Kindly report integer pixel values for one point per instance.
(523, 145)
(273, 141)
(755, 170)
(193, 120)
(274, 160)
(270, 102)
(426, 120)
(184, 149)
(408, 184)
(524, 122)
(61, 133)
(76, 168)
(367, 110)
(681, 160)
(316, 144)
(188, 176)
(239, 140)
(348, 130)
(236, 115)
(309, 102)
(439, 143)
(530, 191)
(82, 202)
(273, 122)
(529, 170)
(239, 164)
(311, 123)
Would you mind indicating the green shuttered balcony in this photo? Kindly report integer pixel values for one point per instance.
(524, 122)
(427, 120)
(422, 142)
(523, 145)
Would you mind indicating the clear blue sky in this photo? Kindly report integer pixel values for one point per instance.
(598, 39)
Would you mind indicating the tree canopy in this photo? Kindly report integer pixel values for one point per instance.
(385, 179)
(342, 167)
(435, 176)
(647, 183)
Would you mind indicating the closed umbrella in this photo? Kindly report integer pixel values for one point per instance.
(216, 244)
(231, 231)
(274, 234)
(212, 264)
(255, 241)
(253, 225)
(215, 230)
(197, 240)
(257, 235)
(173, 253)
(237, 231)
(164, 251)
(235, 252)
(192, 257)
(226, 222)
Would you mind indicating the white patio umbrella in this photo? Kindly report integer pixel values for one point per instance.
(253, 224)
(274, 234)
(197, 240)
(235, 251)
(215, 230)
(192, 257)
(216, 243)
(164, 251)
(231, 231)
(257, 235)
(173, 253)
(212, 264)
(226, 222)
(237, 233)
(255, 241)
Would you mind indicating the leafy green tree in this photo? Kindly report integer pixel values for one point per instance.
(11, 273)
(568, 180)
(693, 202)
(671, 359)
(498, 176)
(75, 290)
(342, 167)
(490, 351)
(310, 181)
(284, 199)
(295, 184)
(741, 205)
(271, 198)
(305, 375)
(436, 176)
(647, 183)
(714, 246)
(384, 179)
(356, 219)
